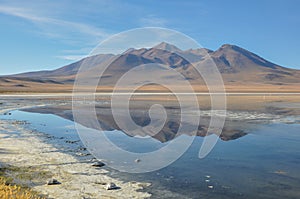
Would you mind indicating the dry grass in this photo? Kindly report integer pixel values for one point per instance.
(8, 191)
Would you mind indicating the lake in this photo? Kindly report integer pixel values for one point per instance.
(252, 160)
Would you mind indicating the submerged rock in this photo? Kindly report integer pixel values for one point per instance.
(53, 182)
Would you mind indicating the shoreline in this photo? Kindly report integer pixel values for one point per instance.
(108, 94)
(38, 161)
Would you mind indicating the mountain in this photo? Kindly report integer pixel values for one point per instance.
(68, 70)
(238, 64)
(167, 47)
(239, 68)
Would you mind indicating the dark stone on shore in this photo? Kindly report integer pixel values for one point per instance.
(72, 141)
(98, 164)
(82, 149)
(112, 186)
(53, 182)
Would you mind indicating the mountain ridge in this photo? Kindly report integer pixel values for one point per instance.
(236, 65)
(161, 46)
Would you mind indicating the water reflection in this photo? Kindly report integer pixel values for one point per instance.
(232, 130)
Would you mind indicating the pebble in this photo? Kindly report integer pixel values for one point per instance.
(83, 154)
(71, 141)
(98, 164)
(53, 182)
(82, 149)
(112, 186)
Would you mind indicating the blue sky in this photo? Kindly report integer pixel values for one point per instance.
(41, 34)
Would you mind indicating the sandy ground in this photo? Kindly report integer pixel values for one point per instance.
(20, 86)
(24, 148)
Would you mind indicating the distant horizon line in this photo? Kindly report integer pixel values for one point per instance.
(30, 94)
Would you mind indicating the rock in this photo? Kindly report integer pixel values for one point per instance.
(112, 186)
(82, 149)
(72, 141)
(98, 164)
(83, 154)
(53, 182)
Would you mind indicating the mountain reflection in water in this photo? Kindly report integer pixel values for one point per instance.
(140, 115)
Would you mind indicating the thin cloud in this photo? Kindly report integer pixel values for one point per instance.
(28, 15)
(72, 33)
(71, 57)
(85, 50)
(152, 20)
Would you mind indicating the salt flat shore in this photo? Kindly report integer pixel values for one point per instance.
(35, 161)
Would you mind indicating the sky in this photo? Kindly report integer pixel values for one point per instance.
(40, 34)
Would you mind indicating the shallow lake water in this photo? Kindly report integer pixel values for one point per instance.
(265, 163)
